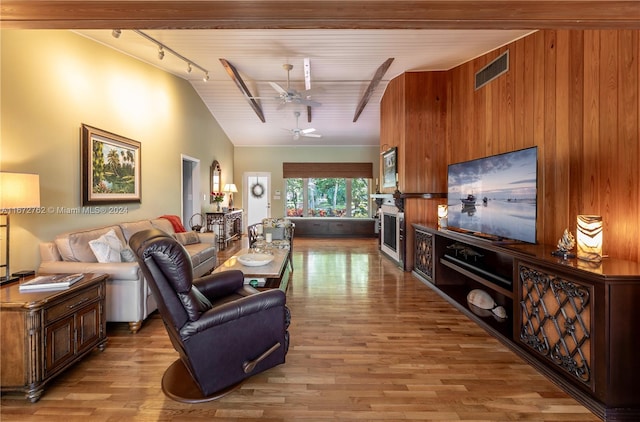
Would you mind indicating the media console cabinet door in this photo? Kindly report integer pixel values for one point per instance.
(423, 260)
(557, 321)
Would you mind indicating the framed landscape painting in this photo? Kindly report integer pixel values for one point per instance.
(110, 168)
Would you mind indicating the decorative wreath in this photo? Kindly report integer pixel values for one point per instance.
(257, 190)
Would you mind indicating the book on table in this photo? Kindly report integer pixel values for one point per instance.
(51, 282)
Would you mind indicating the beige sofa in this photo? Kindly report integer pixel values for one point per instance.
(128, 296)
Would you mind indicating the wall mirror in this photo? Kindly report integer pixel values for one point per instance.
(215, 178)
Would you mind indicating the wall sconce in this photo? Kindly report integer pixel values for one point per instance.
(231, 188)
(443, 216)
(589, 238)
(17, 190)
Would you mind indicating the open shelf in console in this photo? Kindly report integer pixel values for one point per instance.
(479, 274)
(461, 264)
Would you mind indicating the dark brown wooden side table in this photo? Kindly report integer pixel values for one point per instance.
(42, 333)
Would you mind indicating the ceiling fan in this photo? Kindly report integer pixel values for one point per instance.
(291, 95)
(297, 132)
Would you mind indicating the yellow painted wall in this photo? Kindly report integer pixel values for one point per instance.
(51, 83)
(270, 159)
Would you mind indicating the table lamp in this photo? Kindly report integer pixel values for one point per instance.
(443, 215)
(17, 191)
(589, 237)
(231, 188)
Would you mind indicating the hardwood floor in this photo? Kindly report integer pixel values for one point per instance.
(368, 342)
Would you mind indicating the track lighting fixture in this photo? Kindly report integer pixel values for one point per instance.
(163, 48)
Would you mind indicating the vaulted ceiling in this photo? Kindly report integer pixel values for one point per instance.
(342, 65)
(346, 43)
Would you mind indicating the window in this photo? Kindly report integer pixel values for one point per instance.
(327, 197)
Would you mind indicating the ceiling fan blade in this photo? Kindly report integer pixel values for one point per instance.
(307, 73)
(278, 88)
(308, 130)
(306, 102)
(312, 135)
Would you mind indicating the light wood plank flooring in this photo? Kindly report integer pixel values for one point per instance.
(369, 343)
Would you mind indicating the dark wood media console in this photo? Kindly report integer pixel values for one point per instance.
(575, 321)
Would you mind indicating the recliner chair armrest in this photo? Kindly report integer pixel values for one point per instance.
(235, 310)
(220, 284)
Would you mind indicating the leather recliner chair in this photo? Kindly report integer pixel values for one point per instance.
(223, 330)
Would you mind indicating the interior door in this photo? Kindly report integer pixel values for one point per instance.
(190, 190)
(256, 196)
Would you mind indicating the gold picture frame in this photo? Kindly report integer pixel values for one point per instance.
(110, 168)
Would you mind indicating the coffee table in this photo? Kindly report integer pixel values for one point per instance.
(274, 275)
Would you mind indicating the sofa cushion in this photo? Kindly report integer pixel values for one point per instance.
(163, 224)
(49, 252)
(107, 247)
(200, 252)
(128, 229)
(75, 246)
(187, 238)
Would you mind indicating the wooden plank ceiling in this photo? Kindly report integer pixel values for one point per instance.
(258, 37)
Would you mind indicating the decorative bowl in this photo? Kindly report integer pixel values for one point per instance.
(255, 259)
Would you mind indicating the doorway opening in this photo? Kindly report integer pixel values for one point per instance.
(191, 203)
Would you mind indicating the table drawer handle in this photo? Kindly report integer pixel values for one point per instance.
(83, 300)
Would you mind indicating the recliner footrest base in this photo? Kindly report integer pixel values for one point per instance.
(178, 385)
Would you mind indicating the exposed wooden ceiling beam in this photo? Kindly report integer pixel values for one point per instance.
(305, 14)
(372, 86)
(233, 73)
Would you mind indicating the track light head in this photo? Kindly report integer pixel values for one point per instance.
(162, 49)
(116, 33)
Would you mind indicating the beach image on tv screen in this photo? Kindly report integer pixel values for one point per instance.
(495, 195)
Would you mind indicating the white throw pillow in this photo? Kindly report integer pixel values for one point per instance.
(107, 247)
(127, 255)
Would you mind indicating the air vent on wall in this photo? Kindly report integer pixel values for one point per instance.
(494, 69)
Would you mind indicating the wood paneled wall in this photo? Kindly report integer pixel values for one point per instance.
(574, 94)
(415, 119)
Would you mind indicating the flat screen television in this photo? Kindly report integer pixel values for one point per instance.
(495, 197)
